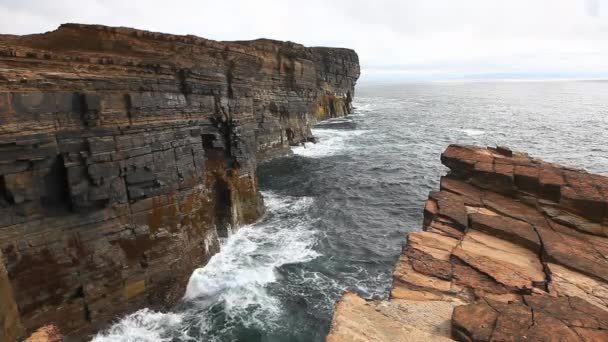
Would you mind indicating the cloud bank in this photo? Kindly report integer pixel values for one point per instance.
(395, 39)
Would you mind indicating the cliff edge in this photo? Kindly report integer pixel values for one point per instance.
(126, 154)
(512, 249)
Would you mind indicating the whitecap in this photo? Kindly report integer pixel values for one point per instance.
(236, 279)
(330, 142)
(334, 121)
(142, 326)
(238, 275)
(473, 132)
(364, 107)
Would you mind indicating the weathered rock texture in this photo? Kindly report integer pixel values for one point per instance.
(518, 246)
(124, 154)
(358, 320)
(10, 324)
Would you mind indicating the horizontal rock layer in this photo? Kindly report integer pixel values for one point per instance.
(125, 154)
(518, 246)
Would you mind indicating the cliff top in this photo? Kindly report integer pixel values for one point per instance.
(124, 153)
(130, 41)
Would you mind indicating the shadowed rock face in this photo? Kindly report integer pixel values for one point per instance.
(518, 247)
(124, 154)
(10, 325)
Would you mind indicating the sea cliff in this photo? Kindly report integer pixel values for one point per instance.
(512, 249)
(125, 155)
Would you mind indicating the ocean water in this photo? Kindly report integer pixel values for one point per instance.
(339, 210)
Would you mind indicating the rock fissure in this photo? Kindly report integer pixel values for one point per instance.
(541, 257)
(533, 319)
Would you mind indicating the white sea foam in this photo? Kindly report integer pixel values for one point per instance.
(334, 121)
(235, 278)
(364, 107)
(473, 132)
(142, 326)
(330, 142)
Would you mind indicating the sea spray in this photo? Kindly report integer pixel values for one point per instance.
(143, 326)
(237, 276)
(230, 291)
(330, 142)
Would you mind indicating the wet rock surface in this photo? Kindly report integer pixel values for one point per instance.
(516, 245)
(126, 154)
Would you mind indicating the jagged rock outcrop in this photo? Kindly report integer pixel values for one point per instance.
(517, 246)
(124, 154)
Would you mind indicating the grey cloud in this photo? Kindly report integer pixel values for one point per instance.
(413, 37)
(593, 7)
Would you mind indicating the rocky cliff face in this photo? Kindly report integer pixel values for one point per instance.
(125, 154)
(10, 324)
(512, 249)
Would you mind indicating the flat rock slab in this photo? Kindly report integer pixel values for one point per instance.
(356, 319)
(538, 318)
(569, 283)
(508, 263)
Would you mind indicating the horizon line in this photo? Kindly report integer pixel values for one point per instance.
(481, 80)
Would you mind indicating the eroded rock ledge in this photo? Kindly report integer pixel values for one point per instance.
(125, 154)
(512, 249)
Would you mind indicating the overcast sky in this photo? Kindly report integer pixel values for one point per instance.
(395, 39)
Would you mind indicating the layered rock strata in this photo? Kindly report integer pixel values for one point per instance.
(126, 154)
(516, 247)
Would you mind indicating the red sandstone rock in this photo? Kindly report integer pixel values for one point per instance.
(506, 228)
(484, 317)
(521, 242)
(539, 318)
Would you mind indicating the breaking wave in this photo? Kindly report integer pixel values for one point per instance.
(473, 132)
(330, 141)
(231, 290)
(143, 326)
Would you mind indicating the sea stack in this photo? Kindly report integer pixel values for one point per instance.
(512, 249)
(126, 154)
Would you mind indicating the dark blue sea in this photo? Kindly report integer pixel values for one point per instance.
(339, 210)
